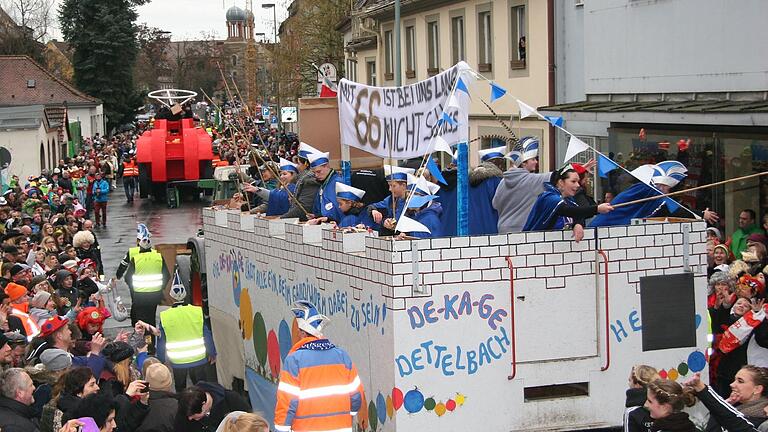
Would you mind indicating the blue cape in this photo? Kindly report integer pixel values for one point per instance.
(279, 201)
(483, 218)
(623, 215)
(542, 216)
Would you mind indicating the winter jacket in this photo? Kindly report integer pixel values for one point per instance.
(515, 197)
(16, 417)
(636, 417)
(675, 422)
(430, 218)
(162, 412)
(224, 402)
(484, 179)
(100, 191)
(724, 413)
(306, 191)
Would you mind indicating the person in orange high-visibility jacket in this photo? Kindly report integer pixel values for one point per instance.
(319, 387)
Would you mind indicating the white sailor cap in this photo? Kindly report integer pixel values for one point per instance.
(349, 192)
(422, 186)
(396, 173)
(492, 153)
(286, 165)
(317, 159)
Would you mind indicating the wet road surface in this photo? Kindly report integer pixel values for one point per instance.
(166, 225)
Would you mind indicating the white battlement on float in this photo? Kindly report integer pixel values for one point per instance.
(429, 322)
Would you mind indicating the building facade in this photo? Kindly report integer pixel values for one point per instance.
(506, 41)
(696, 87)
(31, 138)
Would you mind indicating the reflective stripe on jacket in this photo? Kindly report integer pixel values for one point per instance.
(130, 169)
(148, 273)
(30, 326)
(184, 341)
(319, 390)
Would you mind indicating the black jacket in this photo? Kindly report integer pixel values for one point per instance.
(16, 417)
(224, 402)
(723, 413)
(162, 412)
(636, 417)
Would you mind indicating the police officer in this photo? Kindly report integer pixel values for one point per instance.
(185, 339)
(146, 276)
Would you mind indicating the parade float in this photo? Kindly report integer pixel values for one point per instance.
(174, 154)
(521, 331)
(529, 331)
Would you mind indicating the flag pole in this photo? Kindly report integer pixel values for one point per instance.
(690, 190)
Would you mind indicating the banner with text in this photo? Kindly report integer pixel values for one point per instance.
(400, 122)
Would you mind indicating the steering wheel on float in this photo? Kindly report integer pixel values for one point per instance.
(170, 97)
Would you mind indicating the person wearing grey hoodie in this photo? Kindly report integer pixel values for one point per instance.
(515, 197)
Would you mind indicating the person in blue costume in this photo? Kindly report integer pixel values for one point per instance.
(483, 181)
(555, 208)
(325, 201)
(426, 211)
(655, 180)
(447, 194)
(279, 199)
(383, 213)
(350, 205)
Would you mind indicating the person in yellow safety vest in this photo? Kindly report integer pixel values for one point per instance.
(20, 310)
(185, 340)
(130, 172)
(146, 276)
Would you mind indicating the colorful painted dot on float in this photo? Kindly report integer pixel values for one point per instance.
(682, 369)
(372, 417)
(450, 405)
(460, 399)
(663, 374)
(397, 398)
(429, 404)
(362, 419)
(246, 315)
(413, 401)
(285, 339)
(260, 338)
(672, 374)
(273, 353)
(696, 361)
(236, 284)
(390, 407)
(440, 409)
(381, 408)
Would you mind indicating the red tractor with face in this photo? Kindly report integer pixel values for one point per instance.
(174, 153)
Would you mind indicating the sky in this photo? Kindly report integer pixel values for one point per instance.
(188, 19)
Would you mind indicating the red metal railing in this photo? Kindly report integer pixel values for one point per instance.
(512, 316)
(607, 313)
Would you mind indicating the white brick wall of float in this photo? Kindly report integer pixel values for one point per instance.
(440, 331)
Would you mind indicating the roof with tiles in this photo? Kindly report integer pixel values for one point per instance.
(24, 82)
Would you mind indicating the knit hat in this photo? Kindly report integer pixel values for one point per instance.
(52, 324)
(36, 280)
(716, 232)
(15, 291)
(40, 299)
(117, 351)
(159, 377)
(55, 359)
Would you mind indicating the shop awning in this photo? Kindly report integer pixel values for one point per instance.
(737, 113)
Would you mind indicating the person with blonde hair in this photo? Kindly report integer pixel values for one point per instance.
(636, 417)
(241, 421)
